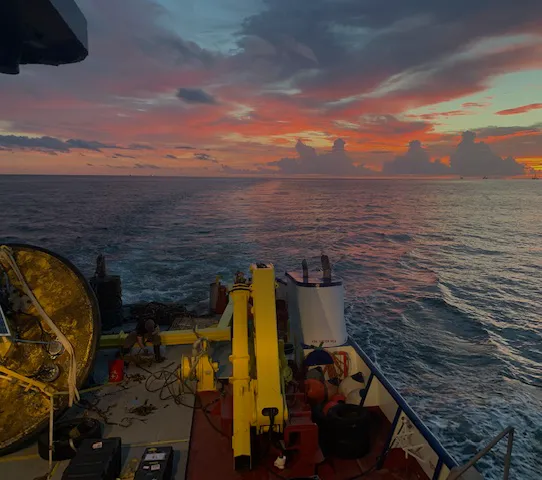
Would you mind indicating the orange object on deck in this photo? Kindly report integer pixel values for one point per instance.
(315, 390)
(116, 370)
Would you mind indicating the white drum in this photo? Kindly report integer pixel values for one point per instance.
(316, 309)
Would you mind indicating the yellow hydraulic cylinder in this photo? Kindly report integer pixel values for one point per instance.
(270, 408)
(243, 396)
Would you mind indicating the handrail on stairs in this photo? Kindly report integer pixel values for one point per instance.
(458, 471)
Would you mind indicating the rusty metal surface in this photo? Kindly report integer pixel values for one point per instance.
(66, 297)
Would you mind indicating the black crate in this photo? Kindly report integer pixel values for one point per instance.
(156, 464)
(96, 460)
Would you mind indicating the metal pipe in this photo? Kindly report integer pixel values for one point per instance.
(461, 470)
(305, 268)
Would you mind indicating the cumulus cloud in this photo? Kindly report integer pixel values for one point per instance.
(205, 157)
(470, 158)
(309, 162)
(476, 159)
(416, 161)
(195, 95)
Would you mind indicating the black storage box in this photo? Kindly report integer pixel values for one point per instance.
(156, 464)
(96, 460)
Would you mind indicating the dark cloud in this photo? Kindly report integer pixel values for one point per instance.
(185, 147)
(416, 161)
(523, 142)
(451, 78)
(359, 45)
(477, 159)
(244, 171)
(88, 144)
(34, 143)
(389, 125)
(140, 146)
(205, 157)
(119, 167)
(309, 162)
(146, 165)
(121, 155)
(90, 164)
(173, 157)
(195, 95)
(507, 131)
(51, 144)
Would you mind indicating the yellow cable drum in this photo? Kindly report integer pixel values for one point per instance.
(36, 361)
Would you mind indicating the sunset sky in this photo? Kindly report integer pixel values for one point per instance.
(228, 87)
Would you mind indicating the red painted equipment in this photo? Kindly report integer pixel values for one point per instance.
(116, 370)
(302, 448)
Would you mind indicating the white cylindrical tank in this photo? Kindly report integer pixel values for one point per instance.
(316, 308)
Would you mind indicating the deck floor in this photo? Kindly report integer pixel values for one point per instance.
(210, 458)
(170, 424)
(201, 452)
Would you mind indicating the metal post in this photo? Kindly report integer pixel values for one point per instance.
(508, 458)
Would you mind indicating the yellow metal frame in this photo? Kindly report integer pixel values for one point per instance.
(268, 388)
(173, 337)
(243, 395)
(257, 402)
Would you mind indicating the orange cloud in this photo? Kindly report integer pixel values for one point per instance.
(517, 110)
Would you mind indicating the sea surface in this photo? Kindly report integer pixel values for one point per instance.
(443, 278)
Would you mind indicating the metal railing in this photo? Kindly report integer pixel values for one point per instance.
(458, 471)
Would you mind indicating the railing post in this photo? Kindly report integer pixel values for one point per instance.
(455, 474)
(508, 458)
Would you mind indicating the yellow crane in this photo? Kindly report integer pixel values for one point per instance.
(258, 398)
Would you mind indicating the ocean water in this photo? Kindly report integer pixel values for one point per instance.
(443, 278)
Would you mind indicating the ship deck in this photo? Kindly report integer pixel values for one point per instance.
(170, 424)
(201, 451)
